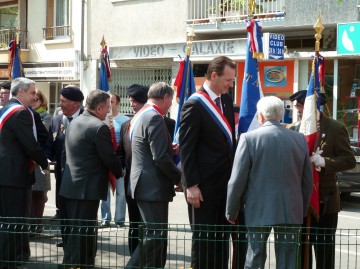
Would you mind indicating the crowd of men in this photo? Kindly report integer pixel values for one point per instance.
(224, 179)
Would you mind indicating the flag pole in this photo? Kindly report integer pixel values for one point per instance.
(318, 27)
(105, 87)
(190, 37)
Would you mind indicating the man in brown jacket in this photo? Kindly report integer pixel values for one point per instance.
(334, 155)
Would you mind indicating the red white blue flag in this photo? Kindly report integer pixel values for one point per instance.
(105, 72)
(251, 87)
(15, 66)
(311, 129)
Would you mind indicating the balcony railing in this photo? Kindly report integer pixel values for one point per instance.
(6, 35)
(56, 32)
(204, 11)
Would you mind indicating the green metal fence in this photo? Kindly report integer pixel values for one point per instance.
(113, 250)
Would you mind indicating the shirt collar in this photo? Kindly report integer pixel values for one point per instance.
(212, 95)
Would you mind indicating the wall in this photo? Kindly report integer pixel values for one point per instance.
(137, 22)
(330, 12)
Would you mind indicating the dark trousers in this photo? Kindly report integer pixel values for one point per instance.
(134, 219)
(210, 239)
(239, 242)
(79, 232)
(14, 238)
(322, 239)
(152, 253)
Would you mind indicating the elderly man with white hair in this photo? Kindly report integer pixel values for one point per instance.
(272, 173)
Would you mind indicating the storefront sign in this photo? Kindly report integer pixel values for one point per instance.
(273, 45)
(275, 76)
(199, 48)
(348, 41)
(53, 72)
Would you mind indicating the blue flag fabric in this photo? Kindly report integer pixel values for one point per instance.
(103, 78)
(187, 88)
(251, 93)
(15, 63)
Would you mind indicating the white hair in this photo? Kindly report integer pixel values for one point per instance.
(271, 107)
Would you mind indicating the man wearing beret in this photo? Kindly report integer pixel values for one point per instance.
(71, 99)
(4, 93)
(333, 155)
(298, 100)
(137, 98)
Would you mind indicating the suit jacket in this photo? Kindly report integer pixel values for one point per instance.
(55, 143)
(17, 146)
(124, 148)
(153, 171)
(204, 151)
(338, 156)
(124, 152)
(272, 172)
(89, 158)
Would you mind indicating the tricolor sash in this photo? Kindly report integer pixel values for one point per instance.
(215, 113)
(148, 107)
(8, 111)
(5, 114)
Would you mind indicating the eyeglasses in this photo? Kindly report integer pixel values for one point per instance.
(3, 93)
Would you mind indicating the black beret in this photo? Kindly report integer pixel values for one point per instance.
(298, 96)
(138, 92)
(6, 85)
(72, 93)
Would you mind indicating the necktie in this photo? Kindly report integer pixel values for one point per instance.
(217, 102)
(69, 119)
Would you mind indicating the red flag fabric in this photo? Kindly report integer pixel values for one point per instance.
(311, 129)
(179, 79)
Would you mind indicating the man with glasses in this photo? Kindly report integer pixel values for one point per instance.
(4, 93)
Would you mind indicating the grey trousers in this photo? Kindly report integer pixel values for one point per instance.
(286, 246)
(152, 251)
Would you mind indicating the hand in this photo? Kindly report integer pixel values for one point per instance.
(317, 159)
(175, 148)
(194, 196)
(178, 188)
(231, 221)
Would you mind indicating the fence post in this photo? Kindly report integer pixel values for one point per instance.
(141, 246)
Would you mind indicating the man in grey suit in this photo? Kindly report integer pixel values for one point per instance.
(89, 158)
(272, 172)
(153, 174)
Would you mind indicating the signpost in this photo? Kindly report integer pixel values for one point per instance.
(348, 41)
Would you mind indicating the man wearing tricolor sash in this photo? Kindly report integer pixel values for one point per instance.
(153, 175)
(19, 150)
(207, 143)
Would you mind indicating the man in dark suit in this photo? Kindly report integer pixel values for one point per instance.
(137, 97)
(153, 175)
(89, 158)
(207, 145)
(18, 149)
(71, 99)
